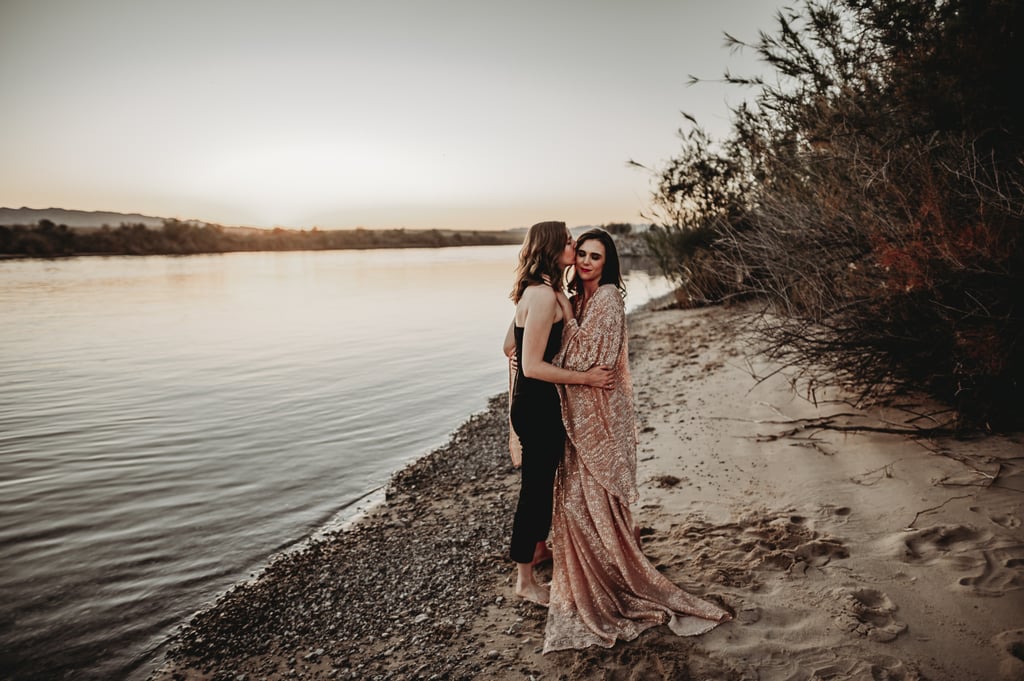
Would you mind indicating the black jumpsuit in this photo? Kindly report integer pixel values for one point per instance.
(537, 419)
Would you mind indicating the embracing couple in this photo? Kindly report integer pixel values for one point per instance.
(571, 410)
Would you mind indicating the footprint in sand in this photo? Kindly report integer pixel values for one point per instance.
(850, 667)
(1007, 520)
(821, 552)
(1010, 645)
(839, 514)
(1003, 571)
(731, 554)
(870, 613)
(997, 568)
(937, 541)
(787, 542)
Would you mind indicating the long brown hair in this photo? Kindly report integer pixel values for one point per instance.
(540, 257)
(612, 272)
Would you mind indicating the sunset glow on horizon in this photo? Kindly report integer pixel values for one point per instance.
(454, 114)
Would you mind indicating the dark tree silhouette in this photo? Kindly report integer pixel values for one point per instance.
(872, 194)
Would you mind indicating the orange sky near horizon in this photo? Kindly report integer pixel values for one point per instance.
(467, 114)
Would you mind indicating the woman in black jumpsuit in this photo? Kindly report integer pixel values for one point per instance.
(537, 419)
(535, 337)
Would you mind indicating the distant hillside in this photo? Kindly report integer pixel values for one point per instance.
(54, 232)
(51, 237)
(75, 218)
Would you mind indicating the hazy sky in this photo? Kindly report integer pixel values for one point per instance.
(381, 113)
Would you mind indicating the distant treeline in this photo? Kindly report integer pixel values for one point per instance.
(871, 195)
(47, 239)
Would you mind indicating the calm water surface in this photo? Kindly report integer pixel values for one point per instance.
(168, 423)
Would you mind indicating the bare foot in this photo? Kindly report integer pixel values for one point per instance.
(535, 593)
(541, 554)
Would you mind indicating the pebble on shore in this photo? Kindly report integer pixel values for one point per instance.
(384, 598)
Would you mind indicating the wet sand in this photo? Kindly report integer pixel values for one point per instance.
(847, 551)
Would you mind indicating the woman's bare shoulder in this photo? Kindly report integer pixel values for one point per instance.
(539, 292)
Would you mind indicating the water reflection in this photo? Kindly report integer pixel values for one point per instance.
(168, 423)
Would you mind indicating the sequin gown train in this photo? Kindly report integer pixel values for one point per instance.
(603, 588)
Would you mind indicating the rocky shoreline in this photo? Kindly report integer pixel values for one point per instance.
(385, 597)
(398, 593)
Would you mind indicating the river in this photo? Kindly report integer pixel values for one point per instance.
(169, 423)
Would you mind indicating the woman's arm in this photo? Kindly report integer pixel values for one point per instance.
(509, 347)
(537, 327)
(599, 338)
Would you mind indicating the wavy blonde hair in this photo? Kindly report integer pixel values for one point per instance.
(540, 257)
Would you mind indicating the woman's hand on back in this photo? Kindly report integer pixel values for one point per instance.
(600, 377)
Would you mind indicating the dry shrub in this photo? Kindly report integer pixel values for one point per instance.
(873, 197)
(911, 281)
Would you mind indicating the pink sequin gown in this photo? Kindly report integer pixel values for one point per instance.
(603, 588)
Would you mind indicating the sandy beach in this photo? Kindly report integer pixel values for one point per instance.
(849, 544)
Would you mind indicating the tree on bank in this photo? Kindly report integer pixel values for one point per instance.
(872, 193)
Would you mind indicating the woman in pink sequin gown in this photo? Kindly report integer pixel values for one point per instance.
(603, 588)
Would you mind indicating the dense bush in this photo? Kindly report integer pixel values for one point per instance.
(873, 195)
